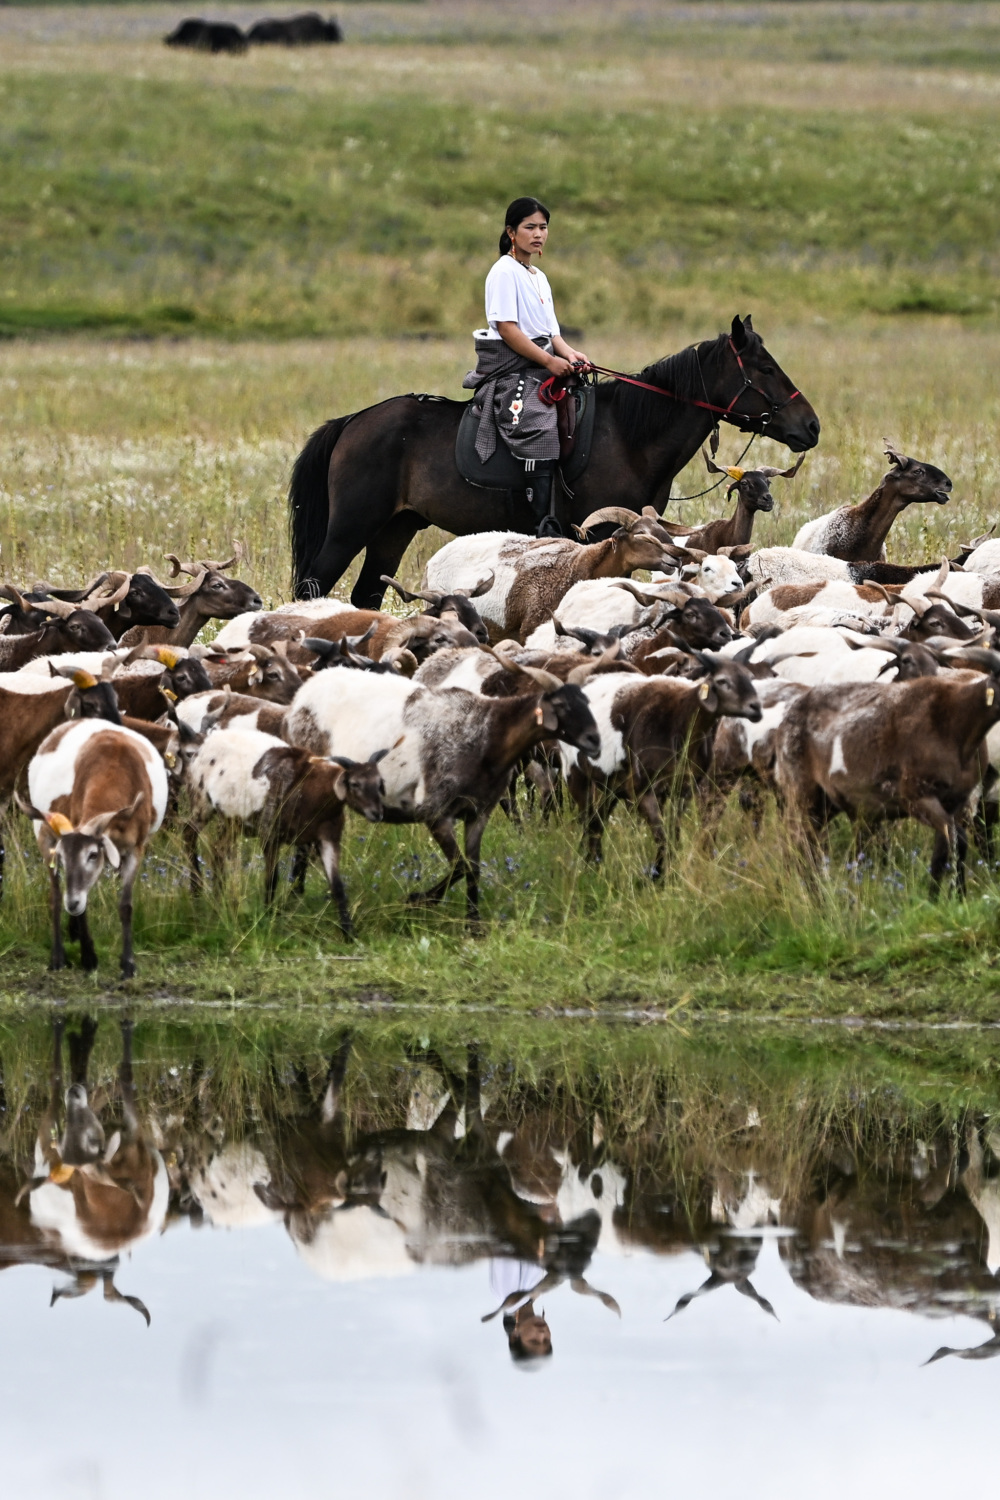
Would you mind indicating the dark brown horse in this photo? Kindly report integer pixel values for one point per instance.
(374, 479)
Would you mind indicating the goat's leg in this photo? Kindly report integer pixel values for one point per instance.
(129, 870)
(474, 829)
(929, 811)
(88, 953)
(329, 853)
(443, 834)
(300, 864)
(57, 958)
(648, 806)
(508, 802)
(126, 1078)
(590, 803)
(191, 831)
(272, 852)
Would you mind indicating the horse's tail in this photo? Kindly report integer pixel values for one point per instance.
(309, 505)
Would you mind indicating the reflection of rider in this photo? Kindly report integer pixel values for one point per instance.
(521, 345)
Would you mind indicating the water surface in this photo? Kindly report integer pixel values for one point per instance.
(275, 1262)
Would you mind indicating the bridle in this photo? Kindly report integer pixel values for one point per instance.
(724, 413)
(554, 389)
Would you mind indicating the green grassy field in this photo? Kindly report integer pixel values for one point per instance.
(830, 168)
(811, 159)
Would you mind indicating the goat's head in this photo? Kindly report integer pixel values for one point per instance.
(729, 688)
(91, 698)
(456, 607)
(218, 597)
(911, 482)
(147, 602)
(360, 784)
(701, 625)
(563, 711)
(74, 629)
(753, 486)
(422, 635)
(273, 677)
(82, 852)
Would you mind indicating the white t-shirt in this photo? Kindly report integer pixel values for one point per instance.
(515, 294)
(507, 1276)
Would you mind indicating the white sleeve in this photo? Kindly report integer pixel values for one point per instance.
(501, 293)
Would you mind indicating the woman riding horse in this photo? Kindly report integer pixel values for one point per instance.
(520, 342)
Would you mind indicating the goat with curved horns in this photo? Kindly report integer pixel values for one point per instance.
(753, 494)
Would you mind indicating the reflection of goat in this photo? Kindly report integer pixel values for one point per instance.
(91, 1195)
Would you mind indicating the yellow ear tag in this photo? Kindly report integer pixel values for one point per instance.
(167, 693)
(703, 691)
(736, 474)
(990, 695)
(169, 760)
(83, 679)
(59, 823)
(169, 658)
(61, 1174)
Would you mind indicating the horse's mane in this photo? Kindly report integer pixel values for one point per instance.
(639, 415)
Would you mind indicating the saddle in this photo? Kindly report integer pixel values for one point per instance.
(502, 471)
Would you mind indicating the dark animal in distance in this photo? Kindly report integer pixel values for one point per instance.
(295, 31)
(207, 36)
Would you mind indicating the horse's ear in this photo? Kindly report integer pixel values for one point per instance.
(738, 333)
(748, 324)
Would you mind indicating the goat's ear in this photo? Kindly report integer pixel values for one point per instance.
(340, 785)
(546, 717)
(111, 854)
(708, 697)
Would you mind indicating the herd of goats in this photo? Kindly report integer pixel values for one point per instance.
(821, 672)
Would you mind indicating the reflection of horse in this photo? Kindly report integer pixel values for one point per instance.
(91, 1196)
(372, 480)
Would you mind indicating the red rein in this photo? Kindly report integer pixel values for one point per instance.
(552, 391)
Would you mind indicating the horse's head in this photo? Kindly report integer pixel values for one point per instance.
(769, 403)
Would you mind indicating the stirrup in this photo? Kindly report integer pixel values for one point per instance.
(549, 526)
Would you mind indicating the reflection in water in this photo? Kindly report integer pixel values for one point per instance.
(375, 1165)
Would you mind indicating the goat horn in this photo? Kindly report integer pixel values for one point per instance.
(61, 608)
(710, 465)
(482, 587)
(215, 565)
(978, 656)
(978, 540)
(109, 589)
(586, 670)
(408, 596)
(185, 590)
(770, 473)
(547, 681)
(892, 450)
(10, 592)
(609, 513)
